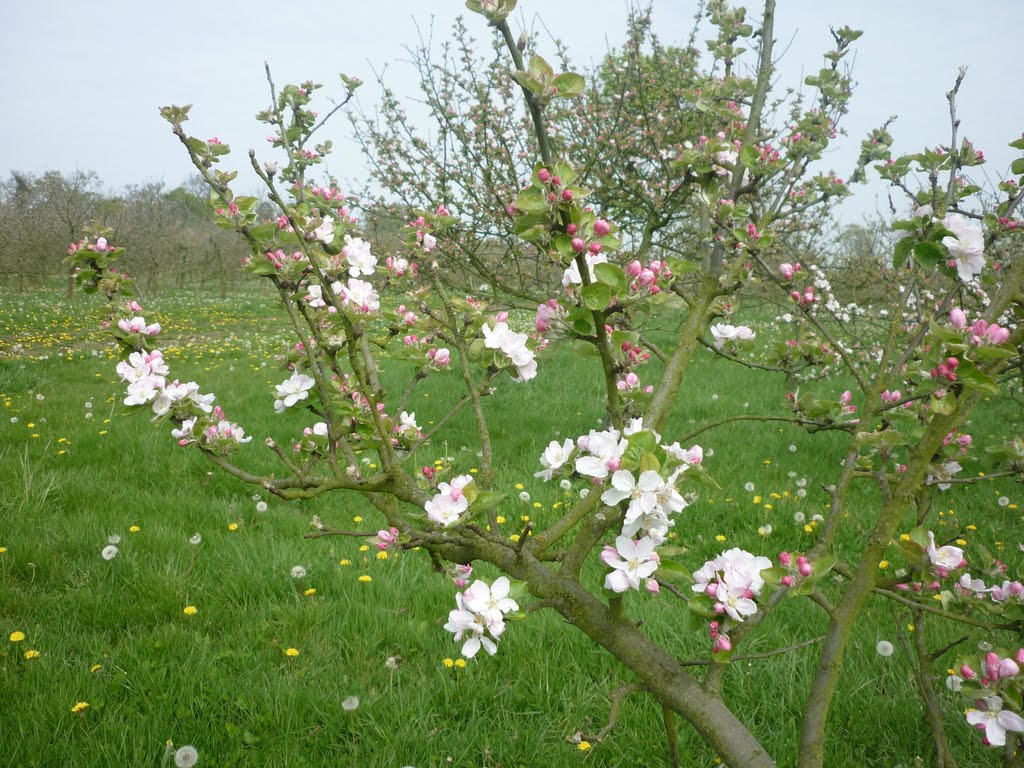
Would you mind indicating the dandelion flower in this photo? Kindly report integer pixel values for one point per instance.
(448, 663)
(190, 610)
(392, 662)
(310, 592)
(1003, 501)
(134, 529)
(95, 668)
(113, 539)
(233, 527)
(261, 506)
(748, 487)
(291, 652)
(799, 517)
(351, 704)
(196, 538)
(186, 756)
(583, 746)
(460, 663)
(298, 572)
(884, 648)
(109, 552)
(365, 578)
(17, 636)
(31, 653)
(79, 707)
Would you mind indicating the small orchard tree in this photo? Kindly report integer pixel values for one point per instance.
(746, 185)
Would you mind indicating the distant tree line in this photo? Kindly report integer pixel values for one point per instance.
(170, 236)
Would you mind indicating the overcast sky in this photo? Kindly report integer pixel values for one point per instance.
(83, 80)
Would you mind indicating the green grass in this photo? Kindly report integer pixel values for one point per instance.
(220, 680)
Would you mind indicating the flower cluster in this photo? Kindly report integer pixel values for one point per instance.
(450, 502)
(480, 615)
(513, 345)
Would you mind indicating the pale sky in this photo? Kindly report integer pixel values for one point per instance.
(82, 80)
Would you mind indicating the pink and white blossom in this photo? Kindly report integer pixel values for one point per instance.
(631, 562)
(995, 721)
(292, 390)
(554, 457)
(966, 246)
(357, 254)
(450, 501)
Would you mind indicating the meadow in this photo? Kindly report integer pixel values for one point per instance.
(197, 632)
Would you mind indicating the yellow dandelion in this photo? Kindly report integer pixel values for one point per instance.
(808, 528)
(31, 653)
(583, 746)
(382, 555)
(883, 564)
(961, 542)
(232, 527)
(514, 537)
(719, 538)
(460, 663)
(757, 499)
(448, 663)
(190, 610)
(500, 519)
(17, 636)
(2, 550)
(910, 628)
(357, 519)
(134, 529)
(344, 562)
(519, 486)
(904, 537)
(310, 592)
(366, 578)
(291, 653)
(537, 505)
(473, 470)
(364, 548)
(80, 707)
(95, 668)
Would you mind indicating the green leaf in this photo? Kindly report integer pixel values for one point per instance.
(529, 82)
(611, 275)
(969, 374)
(486, 500)
(682, 266)
(569, 85)
(596, 296)
(822, 566)
(945, 406)
(670, 570)
(902, 252)
(1017, 166)
(540, 69)
(928, 254)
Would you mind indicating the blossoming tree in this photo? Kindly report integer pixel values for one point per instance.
(745, 183)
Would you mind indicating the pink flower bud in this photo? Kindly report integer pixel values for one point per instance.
(646, 278)
(992, 665)
(578, 244)
(846, 398)
(785, 559)
(567, 195)
(967, 673)
(653, 587)
(1008, 668)
(544, 175)
(803, 566)
(572, 229)
(601, 228)
(723, 643)
(634, 268)
(613, 465)
(1019, 656)
(595, 247)
(501, 317)
(787, 581)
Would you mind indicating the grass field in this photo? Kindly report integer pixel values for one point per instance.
(115, 634)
